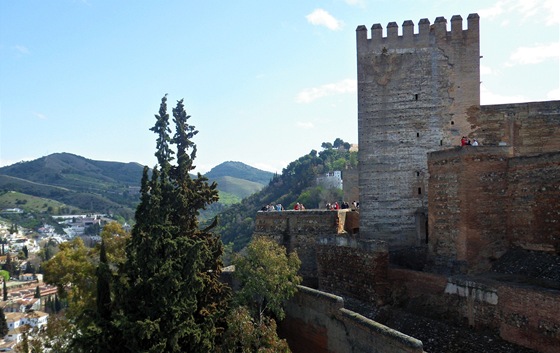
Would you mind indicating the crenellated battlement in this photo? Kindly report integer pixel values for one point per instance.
(423, 38)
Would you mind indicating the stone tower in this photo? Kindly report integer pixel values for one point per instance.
(415, 95)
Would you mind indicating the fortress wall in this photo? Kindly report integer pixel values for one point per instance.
(531, 128)
(414, 95)
(299, 231)
(316, 322)
(524, 315)
(467, 198)
(534, 202)
(353, 268)
(530, 317)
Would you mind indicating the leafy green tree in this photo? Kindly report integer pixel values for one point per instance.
(72, 270)
(5, 275)
(169, 297)
(245, 335)
(268, 278)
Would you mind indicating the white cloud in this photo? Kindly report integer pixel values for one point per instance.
(320, 17)
(305, 125)
(554, 94)
(485, 70)
(40, 116)
(487, 97)
(22, 49)
(310, 94)
(360, 3)
(492, 12)
(549, 10)
(534, 55)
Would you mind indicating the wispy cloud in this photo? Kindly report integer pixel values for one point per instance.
(488, 97)
(320, 17)
(549, 10)
(310, 94)
(22, 49)
(305, 125)
(40, 115)
(361, 3)
(534, 55)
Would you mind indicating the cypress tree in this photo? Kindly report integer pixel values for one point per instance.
(3, 324)
(5, 290)
(37, 292)
(103, 286)
(169, 298)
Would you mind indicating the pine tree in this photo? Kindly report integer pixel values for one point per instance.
(3, 324)
(169, 298)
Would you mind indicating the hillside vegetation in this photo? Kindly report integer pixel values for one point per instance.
(77, 184)
(297, 183)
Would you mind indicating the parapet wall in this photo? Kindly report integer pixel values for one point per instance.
(427, 36)
(300, 231)
(530, 128)
(317, 322)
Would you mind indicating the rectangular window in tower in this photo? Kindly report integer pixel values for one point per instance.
(416, 97)
(417, 134)
(419, 191)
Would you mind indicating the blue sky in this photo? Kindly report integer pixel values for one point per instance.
(264, 81)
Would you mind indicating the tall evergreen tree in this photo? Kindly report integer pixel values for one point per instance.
(3, 324)
(169, 297)
(5, 290)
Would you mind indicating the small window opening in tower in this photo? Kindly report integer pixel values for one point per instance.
(417, 134)
(452, 122)
(441, 142)
(416, 97)
(419, 191)
(417, 173)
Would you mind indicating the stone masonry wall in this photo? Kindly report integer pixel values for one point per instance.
(533, 205)
(468, 198)
(524, 315)
(299, 231)
(530, 128)
(353, 268)
(482, 203)
(414, 95)
(317, 322)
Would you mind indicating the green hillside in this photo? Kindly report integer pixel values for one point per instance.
(112, 187)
